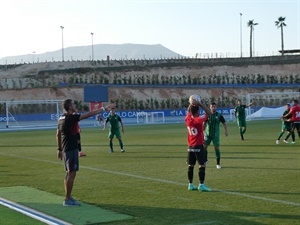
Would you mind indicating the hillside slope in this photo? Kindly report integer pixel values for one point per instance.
(101, 52)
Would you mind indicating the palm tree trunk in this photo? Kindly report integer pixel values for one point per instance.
(251, 42)
(282, 46)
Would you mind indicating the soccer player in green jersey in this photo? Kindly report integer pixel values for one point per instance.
(240, 115)
(212, 131)
(286, 125)
(115, 122)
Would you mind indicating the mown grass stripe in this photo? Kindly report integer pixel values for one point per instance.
(160, 180)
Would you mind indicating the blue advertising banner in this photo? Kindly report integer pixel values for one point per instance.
(29, 117)
(122, 114)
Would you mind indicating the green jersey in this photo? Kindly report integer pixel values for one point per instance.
(240, 112)
(114, 122)
(286, 124)
(212, 128)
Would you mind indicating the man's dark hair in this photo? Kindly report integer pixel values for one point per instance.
(296, 101)
(67, 103)
(194, 109)
(213, 103)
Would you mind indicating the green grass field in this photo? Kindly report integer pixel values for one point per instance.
(259, 182)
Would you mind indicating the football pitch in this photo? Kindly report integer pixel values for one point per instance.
(259, 182)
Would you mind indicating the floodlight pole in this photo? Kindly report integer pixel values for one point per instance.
(92, 46)
(241, 39)
(62, 43)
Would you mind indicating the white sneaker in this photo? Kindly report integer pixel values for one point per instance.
(277, 142)
(218, 166)
(286, 141)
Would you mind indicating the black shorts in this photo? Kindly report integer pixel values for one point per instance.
(198, 154)
(71, 160)
(296, 126)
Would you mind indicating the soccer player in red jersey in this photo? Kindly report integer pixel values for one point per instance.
(195, 137)
(295, 112)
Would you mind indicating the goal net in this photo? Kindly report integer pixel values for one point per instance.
(30, 113)
(150, 117)
(269, 105)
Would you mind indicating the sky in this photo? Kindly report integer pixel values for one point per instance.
(187, 27)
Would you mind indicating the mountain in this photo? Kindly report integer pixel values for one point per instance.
(101, 51)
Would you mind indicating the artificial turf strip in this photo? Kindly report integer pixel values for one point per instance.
(51, 204)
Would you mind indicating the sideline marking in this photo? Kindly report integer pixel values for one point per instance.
(33, 213)
(159, 180)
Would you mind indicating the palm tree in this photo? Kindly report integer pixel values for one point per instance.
(251, 24)
(280, 23)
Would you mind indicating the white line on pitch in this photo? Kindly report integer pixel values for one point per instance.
(32, 213)
(159, 180)
(178, 183)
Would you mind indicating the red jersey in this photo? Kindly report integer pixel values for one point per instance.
(195, 129)
(295, 110)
